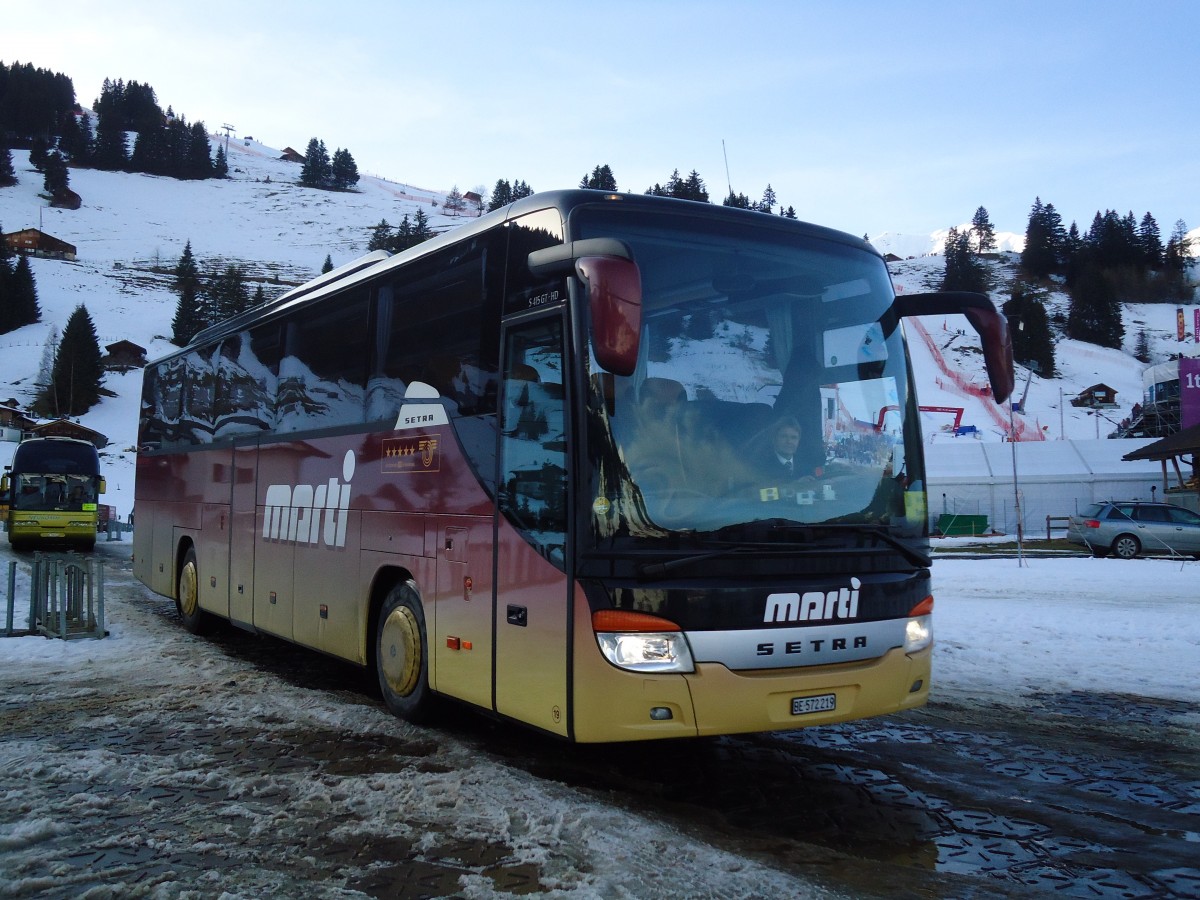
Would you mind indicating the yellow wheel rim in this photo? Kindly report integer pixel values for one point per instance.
(189, 594)
(400, 651)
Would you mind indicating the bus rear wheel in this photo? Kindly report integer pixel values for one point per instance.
(187, 595)
(402, 655)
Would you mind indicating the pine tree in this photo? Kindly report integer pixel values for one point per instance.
(737, 201)
(57, 181)
(221, 165)
(38, 148)
(1094, 315)
(327, 266)
(454, 204)
(75, 138)
(767, 204)
(1141, 351)
(23, 293)
(75, 381)
(501, 195)
(46, 366)
(343, 171)
(421, 230)
(1040, 258)
(381, 236)
(111, 153)
(601, 179)
(8, 175)
(1176, 257)
(1033, 343)
(983, 231)
(227, 294)
(317, 170)
(198, 159)
(189, 312)
(1150, 242)
(963, 271)
(6, 301)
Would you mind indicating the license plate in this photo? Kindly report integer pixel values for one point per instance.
(820, 703)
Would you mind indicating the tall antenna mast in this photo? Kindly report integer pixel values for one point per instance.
(728, 181)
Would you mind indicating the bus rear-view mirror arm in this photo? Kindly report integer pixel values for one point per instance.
(984, 318)
(613, 284)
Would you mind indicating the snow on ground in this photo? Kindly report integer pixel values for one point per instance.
(1006, 631)
(446, 791)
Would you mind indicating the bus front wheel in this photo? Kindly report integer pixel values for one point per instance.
(187, 595)
(401, 655)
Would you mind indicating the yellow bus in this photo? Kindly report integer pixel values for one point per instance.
(51, 490)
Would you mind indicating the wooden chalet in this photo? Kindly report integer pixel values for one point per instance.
(1098, 396)
(67, 428)
(123, 356)
(290, 155)
(32, 242)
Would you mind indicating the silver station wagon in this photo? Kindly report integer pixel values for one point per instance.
(1129, 528)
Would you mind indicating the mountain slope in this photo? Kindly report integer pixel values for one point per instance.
(132, 229)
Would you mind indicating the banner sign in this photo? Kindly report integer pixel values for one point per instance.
(1189, 392)
(1180, 324)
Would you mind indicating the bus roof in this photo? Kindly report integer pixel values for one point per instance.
(379, 262)
(56, 455)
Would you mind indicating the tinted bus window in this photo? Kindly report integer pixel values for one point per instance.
(436, 332)
(323, 373)
(247, 368)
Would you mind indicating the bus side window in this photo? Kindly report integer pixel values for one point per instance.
(323, 373)
(533, 493)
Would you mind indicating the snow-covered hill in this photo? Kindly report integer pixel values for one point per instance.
(908, 246)
(132, 229)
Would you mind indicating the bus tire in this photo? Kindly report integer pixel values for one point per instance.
(187, 595)
(402, 655)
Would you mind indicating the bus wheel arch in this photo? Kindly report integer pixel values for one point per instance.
(400, 653)
(187, 591)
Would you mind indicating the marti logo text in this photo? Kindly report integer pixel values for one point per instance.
(307, 513)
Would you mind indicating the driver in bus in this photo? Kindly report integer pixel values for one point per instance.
(77, 497)
(777, 461)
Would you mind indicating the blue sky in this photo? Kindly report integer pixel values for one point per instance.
(867, 116)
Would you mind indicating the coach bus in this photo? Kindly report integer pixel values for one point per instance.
(51, 490)
(524, 465)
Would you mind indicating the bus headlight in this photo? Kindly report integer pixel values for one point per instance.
(918, 634)
(641, 643)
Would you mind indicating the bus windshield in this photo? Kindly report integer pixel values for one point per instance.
(771, 386)
(50, 474)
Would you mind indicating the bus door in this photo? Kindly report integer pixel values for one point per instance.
(242, 536)
(532, 588)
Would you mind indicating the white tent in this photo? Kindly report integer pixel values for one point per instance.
(1053, 478)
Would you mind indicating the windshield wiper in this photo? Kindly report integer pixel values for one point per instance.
(909, 552)
(753, 542)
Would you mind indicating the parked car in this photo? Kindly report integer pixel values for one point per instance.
(1129, 528)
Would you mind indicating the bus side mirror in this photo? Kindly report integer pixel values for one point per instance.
(614, 294)
(614, 290)
(984, 318)
(101, 488)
